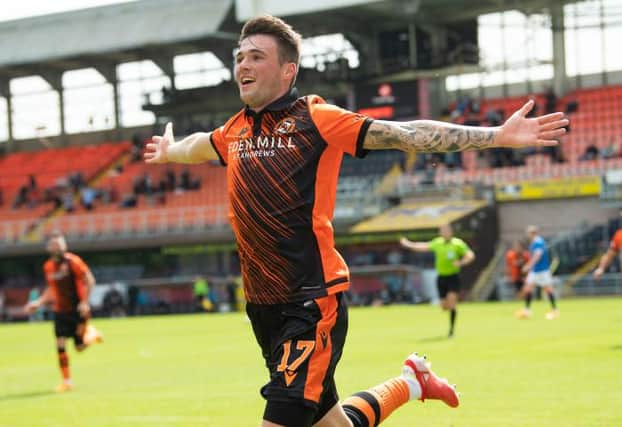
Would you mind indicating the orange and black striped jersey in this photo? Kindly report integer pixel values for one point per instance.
(282, 169)
(65, 278)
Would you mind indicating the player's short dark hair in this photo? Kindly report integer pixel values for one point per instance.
(288, 40)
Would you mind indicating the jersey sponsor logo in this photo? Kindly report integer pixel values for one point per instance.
(259, 146)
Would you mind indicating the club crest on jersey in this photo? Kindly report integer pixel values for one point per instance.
(285, 126)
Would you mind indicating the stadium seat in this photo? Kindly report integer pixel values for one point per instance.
(49, 168)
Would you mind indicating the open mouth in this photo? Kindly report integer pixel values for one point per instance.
(246, 81)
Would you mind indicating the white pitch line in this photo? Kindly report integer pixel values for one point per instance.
(164, 418)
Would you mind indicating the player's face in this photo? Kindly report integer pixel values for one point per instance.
(446, 232)
(531, 234)
(56, 247)
(260, 76)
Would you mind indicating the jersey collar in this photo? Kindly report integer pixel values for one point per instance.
(280, 104)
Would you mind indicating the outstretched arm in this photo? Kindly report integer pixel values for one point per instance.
(195, 148)
(433, 136)
(45, 298)
(415, 246)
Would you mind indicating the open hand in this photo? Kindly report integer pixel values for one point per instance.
(157, 150)
(31, 307)
(519, 131)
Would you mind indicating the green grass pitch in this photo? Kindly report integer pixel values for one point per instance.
(205, 370)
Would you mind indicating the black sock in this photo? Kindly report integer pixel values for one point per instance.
(452, 320)
(552, 299)
(528, 300)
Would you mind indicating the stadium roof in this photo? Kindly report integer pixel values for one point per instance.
(421, 11)
(152, 29)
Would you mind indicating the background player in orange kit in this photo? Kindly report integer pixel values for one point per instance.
(283, 153)
(69, 283)
(515, 258)
(609, 256)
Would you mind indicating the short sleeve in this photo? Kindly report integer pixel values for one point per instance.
(220, 146)
(434, 243)
(48, 269)
(78, 267)
(340, 128)
(462, 247)
(537, 245)
(616, 242)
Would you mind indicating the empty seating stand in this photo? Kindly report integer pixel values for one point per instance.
(157, 213)
(48, 167)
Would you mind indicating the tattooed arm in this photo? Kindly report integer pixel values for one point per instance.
(427, 136)
(433, 136)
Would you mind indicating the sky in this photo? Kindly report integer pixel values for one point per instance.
(26, 8)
